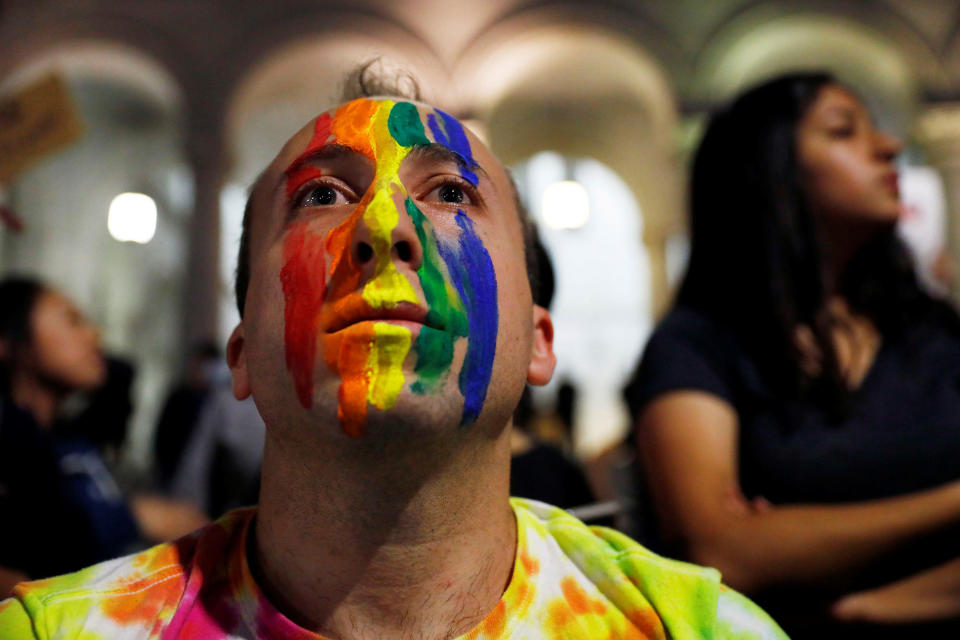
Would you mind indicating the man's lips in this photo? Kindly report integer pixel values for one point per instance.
(353, 309)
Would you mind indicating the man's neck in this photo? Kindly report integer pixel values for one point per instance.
(385, 552)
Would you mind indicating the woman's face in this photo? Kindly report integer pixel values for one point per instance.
(64, 348)
(847, 166)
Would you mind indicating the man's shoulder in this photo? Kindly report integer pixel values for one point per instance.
(98, 597)
(140, 591)
(689, 599)
(605, 548)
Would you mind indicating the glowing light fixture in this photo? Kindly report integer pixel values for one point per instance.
(565, 205)
(132, 218)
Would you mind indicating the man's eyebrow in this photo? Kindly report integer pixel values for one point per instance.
(439, 152)
(326, 152)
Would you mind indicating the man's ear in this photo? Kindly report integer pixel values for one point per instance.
(542, 358)
(237, 361)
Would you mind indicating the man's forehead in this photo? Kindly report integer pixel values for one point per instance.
(410, 123)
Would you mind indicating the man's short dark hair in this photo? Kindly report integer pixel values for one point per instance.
(366, 81)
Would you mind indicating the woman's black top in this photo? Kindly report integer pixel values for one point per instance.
(60, 508)
(900, 433)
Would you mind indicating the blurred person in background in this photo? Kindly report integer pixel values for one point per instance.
(539, 465)
(799, 408)
(59, 503)
(208, 445)
(104, 417)
(219, 469)
(181, 410)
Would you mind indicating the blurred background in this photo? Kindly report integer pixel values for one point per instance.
(595, 105)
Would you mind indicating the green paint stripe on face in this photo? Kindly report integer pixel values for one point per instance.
(446, 308)
(405, 126)
(434, 347)
(434, 355)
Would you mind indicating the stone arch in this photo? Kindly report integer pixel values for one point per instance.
(874, 51)
(96, 58)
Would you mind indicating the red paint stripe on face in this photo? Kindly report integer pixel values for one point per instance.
(304, 286)
(321, 131)
(299, 176)
(297, 173)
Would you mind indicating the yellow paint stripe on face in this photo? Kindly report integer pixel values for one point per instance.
(388, 287)
(391, 343)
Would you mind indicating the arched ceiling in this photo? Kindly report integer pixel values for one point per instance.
(212, 47)
(857, 55)
(97, 60)
(565, 66)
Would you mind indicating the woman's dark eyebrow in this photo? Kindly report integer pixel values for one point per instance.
(440, 153)
(842, 111)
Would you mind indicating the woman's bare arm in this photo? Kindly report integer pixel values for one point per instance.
(161, 519)
(8, 579)
(688, 443)
(927, 596)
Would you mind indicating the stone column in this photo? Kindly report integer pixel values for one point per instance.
(205, 148)
(937, 129)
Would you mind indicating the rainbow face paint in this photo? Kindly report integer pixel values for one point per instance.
(339, 304)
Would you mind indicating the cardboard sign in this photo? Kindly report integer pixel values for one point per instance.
(37, 120)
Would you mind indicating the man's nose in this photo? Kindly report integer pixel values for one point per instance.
(374, 244)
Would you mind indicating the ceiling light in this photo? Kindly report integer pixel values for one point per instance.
(132, 218)
(565, 205)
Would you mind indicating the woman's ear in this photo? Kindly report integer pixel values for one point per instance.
(542, 359)
(237, 361)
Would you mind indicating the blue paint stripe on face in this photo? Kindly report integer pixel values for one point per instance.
(473, 276)
(452, 136)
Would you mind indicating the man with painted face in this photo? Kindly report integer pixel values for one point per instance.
(387, 333)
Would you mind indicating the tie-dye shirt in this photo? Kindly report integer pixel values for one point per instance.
(570, 581)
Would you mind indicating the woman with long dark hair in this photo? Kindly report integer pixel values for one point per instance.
(60, 508)
(799, 408)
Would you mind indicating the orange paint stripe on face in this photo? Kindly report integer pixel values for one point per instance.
(348, 351)
(344, 275)
(352, 125)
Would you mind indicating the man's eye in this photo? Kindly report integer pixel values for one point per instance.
(448, 190)
(451, 193)
(321, 196)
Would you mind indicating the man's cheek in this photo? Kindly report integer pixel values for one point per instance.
(303, 277)
(475, 280)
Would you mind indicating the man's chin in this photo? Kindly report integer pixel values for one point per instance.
(413, 414)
